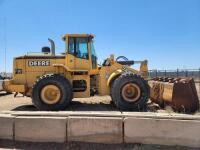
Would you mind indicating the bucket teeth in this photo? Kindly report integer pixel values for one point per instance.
(179, 93)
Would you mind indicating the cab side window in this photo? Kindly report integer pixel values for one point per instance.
(93, 56)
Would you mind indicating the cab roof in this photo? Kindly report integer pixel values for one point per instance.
(77, 35)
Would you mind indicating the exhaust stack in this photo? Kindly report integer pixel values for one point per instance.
(52, 46)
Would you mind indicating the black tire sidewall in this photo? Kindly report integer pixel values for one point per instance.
(116, 90)
(64, 86)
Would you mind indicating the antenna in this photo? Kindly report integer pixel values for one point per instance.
(5, 42)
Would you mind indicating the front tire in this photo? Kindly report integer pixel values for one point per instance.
(52, 92)
(130, 92)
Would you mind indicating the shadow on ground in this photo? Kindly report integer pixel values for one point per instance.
(85, 146)
(74, 106)
(4, 94)
(25, 108)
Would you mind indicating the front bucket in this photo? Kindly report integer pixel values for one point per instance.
(179, 93)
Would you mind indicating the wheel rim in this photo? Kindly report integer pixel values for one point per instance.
(131, 92)
(50, 94)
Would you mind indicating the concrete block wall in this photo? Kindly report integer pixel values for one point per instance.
(162, 131)
(95, 129)
(40, 129)
(6, 126)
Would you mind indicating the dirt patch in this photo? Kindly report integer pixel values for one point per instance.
(20, 103)
(96, 103)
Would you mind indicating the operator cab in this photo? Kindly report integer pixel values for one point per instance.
(80, 51)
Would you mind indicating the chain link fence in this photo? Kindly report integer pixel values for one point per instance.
(194, 73)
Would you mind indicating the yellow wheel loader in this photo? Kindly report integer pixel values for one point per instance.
(52, 81)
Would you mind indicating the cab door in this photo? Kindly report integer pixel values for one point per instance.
(78, 52)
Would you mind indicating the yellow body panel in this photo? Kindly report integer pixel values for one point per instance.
(104, 77)
(29, 74)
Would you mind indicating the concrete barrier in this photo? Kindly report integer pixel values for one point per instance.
(153, 115)
(65, 113)
(95, 129)
(6, 126)
(102, 127)
(40, 129)
(162, 131)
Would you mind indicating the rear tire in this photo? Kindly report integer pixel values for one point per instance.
(52, 92)
(135, 100)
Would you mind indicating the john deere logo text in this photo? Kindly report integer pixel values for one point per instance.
(39, 63)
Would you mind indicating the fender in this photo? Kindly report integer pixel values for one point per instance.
(120, 71)
(113, 75)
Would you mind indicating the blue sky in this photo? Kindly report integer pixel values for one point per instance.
(166, 32)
